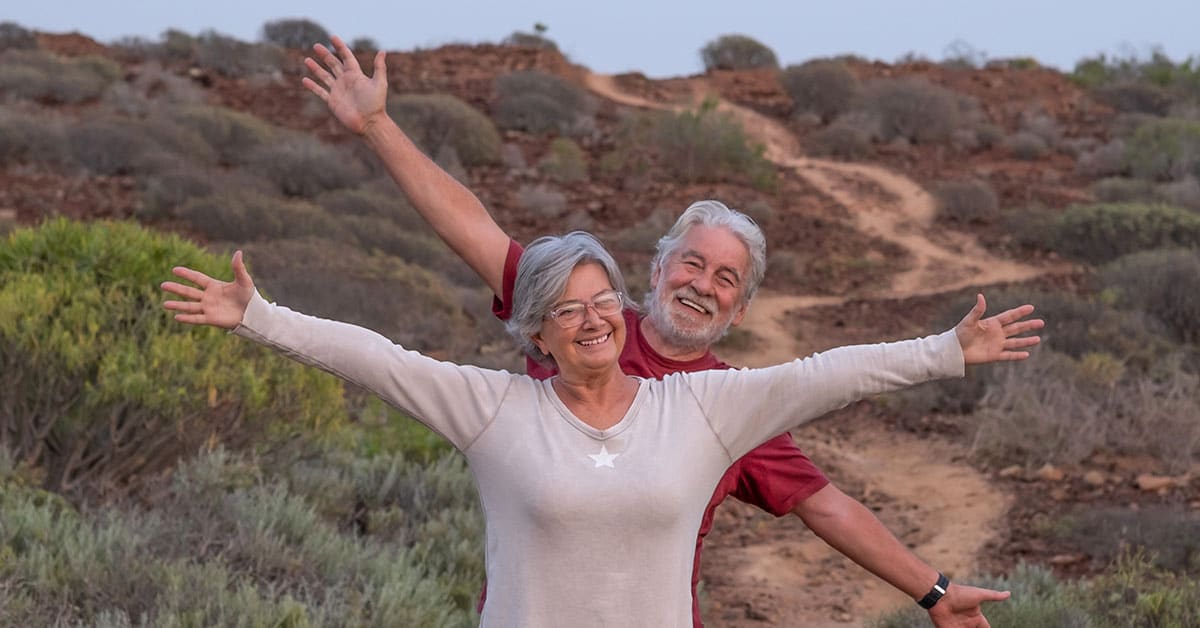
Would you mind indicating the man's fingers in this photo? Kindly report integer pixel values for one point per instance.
(318, 71)
(380, 64)
(312, 86)
(328, 58)
(345, 53)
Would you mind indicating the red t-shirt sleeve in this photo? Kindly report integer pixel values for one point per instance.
(776, 475)
(502, 303)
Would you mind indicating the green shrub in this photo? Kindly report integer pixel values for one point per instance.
(1101, 233)
(1164, 150)
(103, 388)
(232, 134)
(692, 146)
(294, 33)
(304, 166)
(913, 109)
(1132, 592)
(822, 87)
(438, 121)
(967, 202)
(737, 52)
(565, 162)
(15, 36)
(536, 39)
(1164, 284)
(537, 102)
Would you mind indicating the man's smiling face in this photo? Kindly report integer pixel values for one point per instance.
(698, 291)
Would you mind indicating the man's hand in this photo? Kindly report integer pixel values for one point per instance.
(355, 99)
(995, 339)
(960, 607)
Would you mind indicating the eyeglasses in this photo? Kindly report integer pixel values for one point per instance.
(572, 313)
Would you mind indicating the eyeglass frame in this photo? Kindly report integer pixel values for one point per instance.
(555, 314)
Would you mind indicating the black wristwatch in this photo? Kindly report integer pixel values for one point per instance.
(935, 593)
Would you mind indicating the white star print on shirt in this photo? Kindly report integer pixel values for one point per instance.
(603, 459)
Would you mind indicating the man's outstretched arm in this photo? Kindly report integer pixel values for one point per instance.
(852, 529)
(359, 102)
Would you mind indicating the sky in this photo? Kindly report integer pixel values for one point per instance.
(662, 38)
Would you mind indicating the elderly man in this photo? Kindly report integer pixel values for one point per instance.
(703, 277)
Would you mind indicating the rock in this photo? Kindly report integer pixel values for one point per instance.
(1011, 472)
(1095, 478)
(1051, 473)
(1067, 559)
(1149, 482)
(843, 617)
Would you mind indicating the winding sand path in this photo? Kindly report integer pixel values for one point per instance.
(799, 579)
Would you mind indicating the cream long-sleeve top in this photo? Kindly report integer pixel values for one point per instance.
(589, 527)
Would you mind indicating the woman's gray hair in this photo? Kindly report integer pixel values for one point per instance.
(542, 276)
(716, 214)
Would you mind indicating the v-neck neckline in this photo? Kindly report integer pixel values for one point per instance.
(581, 425)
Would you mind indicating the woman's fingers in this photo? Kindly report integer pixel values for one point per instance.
(186, 307)
(194, 276)
(186, 292)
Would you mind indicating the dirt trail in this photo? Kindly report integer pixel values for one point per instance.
(795, 579)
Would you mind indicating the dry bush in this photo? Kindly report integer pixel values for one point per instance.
(436, 122)
(393, 207)
(1058, 410)
(1170, 536)
(542, 201)
(912, 108)
(530, 40)
(1183, 193)
(565, 162)
(299, 33)
(822, 87)
(45, 78)
(233, 58)
(642, 236)
(15, 36)
(1122, 190)
(967, 202)
(1165, 150)
(413, 306)
(1164, 283)
(843, 139)
(109, 146)
(537, 102)
(1101, 233)
(421, 246)
(243, 216)
(1103, 161)
(1026, 145)
(233, 134)
(160, 196)
(29, 139)
(737, 52)
(1135, 98)
(301, 165)
(1041, 125)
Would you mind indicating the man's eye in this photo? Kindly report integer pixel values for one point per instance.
(692, 263)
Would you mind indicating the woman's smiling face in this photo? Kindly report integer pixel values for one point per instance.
(595, 344)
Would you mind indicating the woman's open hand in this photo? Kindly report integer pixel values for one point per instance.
(213, 302)
(996, 338)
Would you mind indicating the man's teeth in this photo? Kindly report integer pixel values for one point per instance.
(595, 341)
(694, 305)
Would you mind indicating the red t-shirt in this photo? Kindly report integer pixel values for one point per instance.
(775, 476)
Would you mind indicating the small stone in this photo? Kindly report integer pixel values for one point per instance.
(1151, 483)
(843, 617)
(1094, 478)
(1067, 559)
(1011, 472)
(1051, 473)
(1059, 494)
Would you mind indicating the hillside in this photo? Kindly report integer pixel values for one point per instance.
(884, 214)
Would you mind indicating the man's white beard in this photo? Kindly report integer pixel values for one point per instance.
(689, 338)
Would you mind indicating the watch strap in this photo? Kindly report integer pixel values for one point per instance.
(935, 593)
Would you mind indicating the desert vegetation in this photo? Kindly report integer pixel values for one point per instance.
(152, 475)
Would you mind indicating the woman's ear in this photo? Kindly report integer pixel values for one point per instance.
(536, 338)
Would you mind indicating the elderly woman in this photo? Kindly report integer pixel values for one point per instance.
(593, 482)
